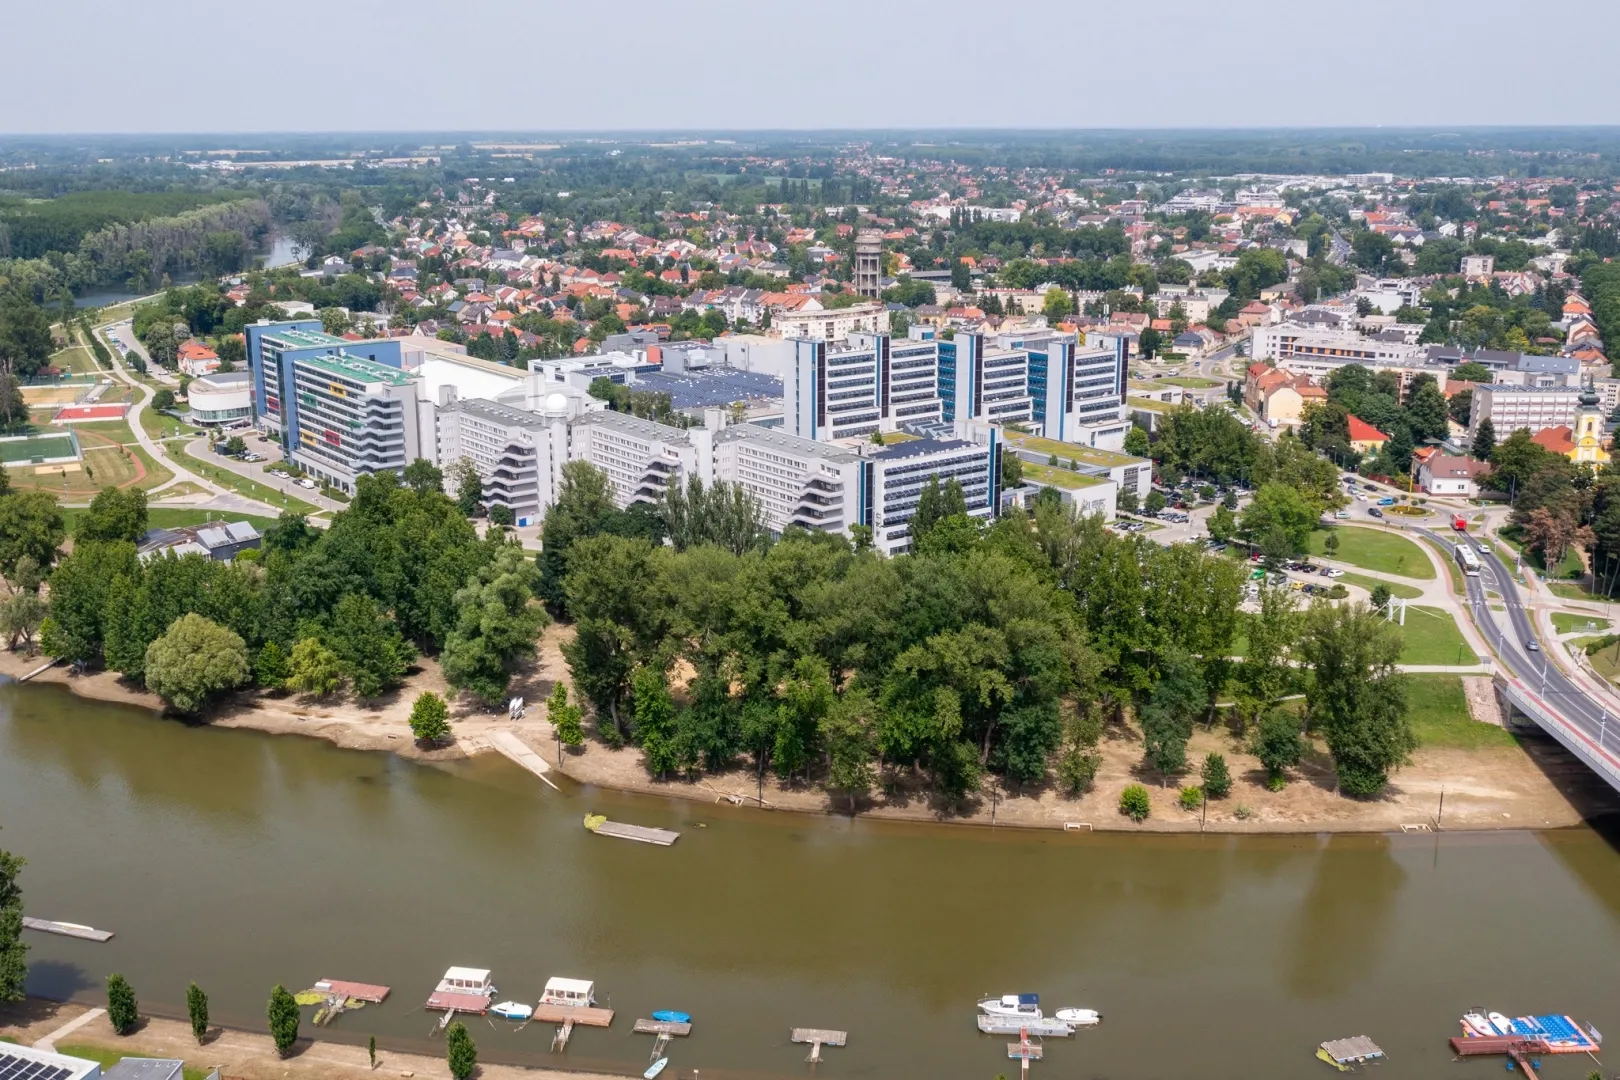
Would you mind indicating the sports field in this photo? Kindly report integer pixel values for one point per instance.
(37, 448)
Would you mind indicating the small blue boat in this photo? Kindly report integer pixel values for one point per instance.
(670, 1016)
(655, 1068)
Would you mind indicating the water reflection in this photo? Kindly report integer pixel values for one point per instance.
(1340, 928)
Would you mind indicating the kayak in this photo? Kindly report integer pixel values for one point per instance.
(655, 1068)
(671, 1016)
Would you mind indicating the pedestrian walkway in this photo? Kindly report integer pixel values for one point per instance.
(49, 1041)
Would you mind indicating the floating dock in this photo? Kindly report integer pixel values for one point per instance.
(1012, 1025)
(66, 929)
(817, 1038)
(641, 833)
(1344, 1054)
(1549, 1034)
(451, 1002)
(368, 992)
(588, 1015)
(665, 1028)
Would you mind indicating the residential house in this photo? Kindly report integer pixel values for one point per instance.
(1364, 438)
(1442, 474)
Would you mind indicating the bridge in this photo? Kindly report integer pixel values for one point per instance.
(1527, 679)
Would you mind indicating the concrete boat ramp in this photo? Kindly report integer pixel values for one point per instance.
(507, 743)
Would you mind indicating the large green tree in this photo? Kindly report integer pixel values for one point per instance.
(496, 626)
(114, 514)
(13, 950)
(195, 660)
(1356, 695)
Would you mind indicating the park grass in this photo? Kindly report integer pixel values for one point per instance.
(1566, 621)
(162, 517)
(1376, 550)
(108, 1056)
(1396, 589)
(1438, 711)
(74, 358)
(1569, 568)
(240, 484)
(1431, 637)
(1571, 591)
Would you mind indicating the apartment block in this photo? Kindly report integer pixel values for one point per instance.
(832, 324)
(353, 416)
(867, 383)
(984, 379)
(1510, 408)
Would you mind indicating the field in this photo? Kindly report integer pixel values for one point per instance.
(107, 462)
(1439, 714)
(1062, 478)
(1376, 550)
(1432, 637)
(52, 445)
(1396, 589)
(1567, 621)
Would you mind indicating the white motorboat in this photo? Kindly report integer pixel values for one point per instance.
(1079, 1017)
(512, 1010)
(1477, 1025)
(1013, 1006)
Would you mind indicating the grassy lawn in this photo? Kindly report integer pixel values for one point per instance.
(1566, 621)
(1374, 549)
(108, 1057)
(75, 358)
(1062, 478)
(240, 484)
(1571, 591)
(159, 517)
(1569, 568)
(1457, 584)
(1189, 382)
(1432, 637)
(1439, 714)
(1396, 589)
(162, 426)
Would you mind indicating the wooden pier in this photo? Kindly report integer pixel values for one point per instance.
(664, 1030)
(641, 833)
(588, 1015)
(817, 1038)
(1516, 1047)
(66, 929)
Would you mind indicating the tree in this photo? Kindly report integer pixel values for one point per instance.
(617, 592)
(1472, 371)
(564, 717)
(1148, 342)
(122, 1012)
(422, 476)
(583, 509)
(21, 616)
(430, 718)
(81, 587)
(846, 735)
(654, 720)
(235, 446)
(460, 1052)
(31, 526)
(1426, 412)
(1057, 304)
(1330, 543)
(284, 1018)
(1484, 440)
(1154, 503)
(1134, 803)
(1273, 632)
(500, 514)
(1513, 462)
(1136, 442)
(1012, 468)
(1279, 744)
(724, 514)
(114, 514)
(1550, 533)
(468, 486)
(1217, 780)
(1356, 695)
(195, 659)
(13, 950)
(1167, 718)
(1280, 515)
(495, 628)
(313, 669)
(25, 334)
(371, 1050)
(1222, 525)
(369, 646)
(197, 1010)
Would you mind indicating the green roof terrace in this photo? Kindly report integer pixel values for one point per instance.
(1066, 451)
(357, 368)
(307, 339)
(1060, 478)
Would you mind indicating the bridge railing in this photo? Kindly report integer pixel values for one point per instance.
(1601, 754)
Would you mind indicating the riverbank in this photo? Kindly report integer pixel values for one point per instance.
(1468, 777)
(241, 1054)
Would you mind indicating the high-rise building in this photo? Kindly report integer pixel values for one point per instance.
(869, 262)
(984, 379)
(353, 416)
(867, 383)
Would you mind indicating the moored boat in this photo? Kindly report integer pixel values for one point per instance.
(671, 1016)
(655, 1068)
(1013, 1006)
(1079, 1017)
(577, 993)
(512, 1010)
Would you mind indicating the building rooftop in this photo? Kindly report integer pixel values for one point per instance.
(25, 1061)
(504, 414)
(142, 1068)
(635, 425)
(358, 368)
(307, 339)
(1088, 455)
(918, 448)
(792, 444)
(710, 387)
(1061, 478)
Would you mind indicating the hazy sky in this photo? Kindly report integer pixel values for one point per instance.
(334, 65)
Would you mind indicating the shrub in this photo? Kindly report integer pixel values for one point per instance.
(430, 718)
(1217, 779)
(122, 1011)
(1191, 797)
(1278, 745)
(1337, 591)
(1243, 813)
(1134, 803)
(460, 1053)
(284, 1019)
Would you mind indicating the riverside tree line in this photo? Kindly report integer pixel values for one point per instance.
(1000, 649)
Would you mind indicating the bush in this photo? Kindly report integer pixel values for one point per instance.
(1191, 797)
(122, 1011)
(1595, 647)
(1077, 769)
(1242, 812)
(1279, 745)
(1337, 591)
(1134, 803)
(284, 1019)
(194, 660)
(430, 718)
(1217, 779)
(460, 1052)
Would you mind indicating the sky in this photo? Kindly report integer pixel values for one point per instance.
(76, 66)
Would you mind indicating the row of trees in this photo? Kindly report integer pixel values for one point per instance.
(401, 570)
(1001, 649)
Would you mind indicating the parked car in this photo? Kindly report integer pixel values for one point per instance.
(1328, 571)
(1341, 515)
(1375, 512)
(305, 482)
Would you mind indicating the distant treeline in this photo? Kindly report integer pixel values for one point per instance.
(31, 228)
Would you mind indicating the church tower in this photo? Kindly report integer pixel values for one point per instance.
(1588, 434)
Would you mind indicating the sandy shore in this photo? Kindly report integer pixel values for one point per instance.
(1535, 785)
(241, 1054)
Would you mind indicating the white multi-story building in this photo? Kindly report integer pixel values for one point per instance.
(895, 477)
(834, 324)
(354, 416)
(869, 383)
(1291, 344)
(1510, 408)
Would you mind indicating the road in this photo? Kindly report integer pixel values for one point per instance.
(1534, 668)
(249, 470)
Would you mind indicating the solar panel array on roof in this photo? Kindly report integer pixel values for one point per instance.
(13, 1067)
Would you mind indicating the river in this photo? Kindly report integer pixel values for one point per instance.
(241, 860)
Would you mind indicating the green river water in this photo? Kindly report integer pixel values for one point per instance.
(241, 860)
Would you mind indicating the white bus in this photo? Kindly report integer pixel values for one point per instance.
(1468, 559)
